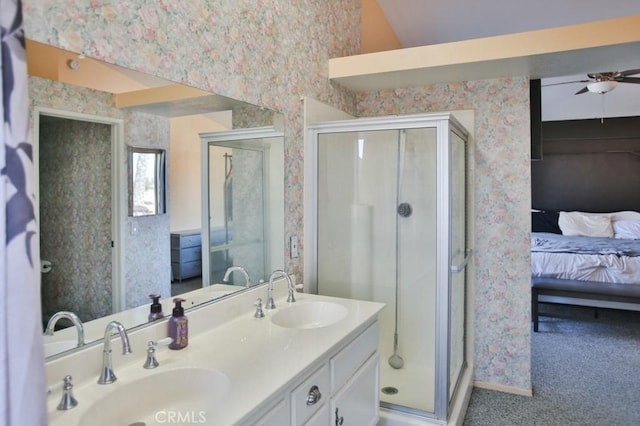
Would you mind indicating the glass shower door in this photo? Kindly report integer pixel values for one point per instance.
(377, 241)
(459, 256)
(237, 234)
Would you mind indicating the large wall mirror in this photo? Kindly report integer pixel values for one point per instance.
(98, 260)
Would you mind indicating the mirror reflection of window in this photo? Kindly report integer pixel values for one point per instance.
(147, 182)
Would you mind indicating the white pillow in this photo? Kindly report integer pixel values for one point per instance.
(588, 225)
(627, 229)
(624, 215)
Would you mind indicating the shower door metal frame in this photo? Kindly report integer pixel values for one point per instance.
(443, 123)
(232, 139)
(446, 267)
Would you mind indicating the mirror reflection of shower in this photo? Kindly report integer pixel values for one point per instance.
(228, 203)
(245, 204)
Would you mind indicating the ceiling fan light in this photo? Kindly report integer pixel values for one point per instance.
(602, 87)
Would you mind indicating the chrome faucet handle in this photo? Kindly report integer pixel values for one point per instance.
(152, 346)
(68, 401)
(151, 361)
(259, 312)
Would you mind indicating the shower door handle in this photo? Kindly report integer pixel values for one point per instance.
(460, 267)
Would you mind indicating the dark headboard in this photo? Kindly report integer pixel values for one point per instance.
(588, 165)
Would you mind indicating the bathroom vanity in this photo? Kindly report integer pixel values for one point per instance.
(312, 362)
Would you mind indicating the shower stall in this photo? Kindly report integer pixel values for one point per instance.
(389, 225)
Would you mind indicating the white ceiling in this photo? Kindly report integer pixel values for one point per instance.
(426, 22)
(561, 103)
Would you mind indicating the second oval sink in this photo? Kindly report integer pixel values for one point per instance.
(310, 315)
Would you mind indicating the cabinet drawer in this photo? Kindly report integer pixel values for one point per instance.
(186, 270)
(300, 411)
(275, 416)
(321, 418)
(186, 254)
(347, 361)
(185, 240)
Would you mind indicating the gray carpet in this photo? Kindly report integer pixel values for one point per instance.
(585, 372)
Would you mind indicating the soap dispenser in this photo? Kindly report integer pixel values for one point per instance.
(178, 326)
(156, 308)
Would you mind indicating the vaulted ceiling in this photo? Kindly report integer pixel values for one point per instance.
(417, 23)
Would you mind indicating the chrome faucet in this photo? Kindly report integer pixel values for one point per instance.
(71, 317)
(239, 269)
(107, 375)
(290, 299)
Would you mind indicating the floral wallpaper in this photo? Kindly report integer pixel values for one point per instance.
(75, 226)
(501, 194)
(272, 52)
(144, 274)
(147, 252)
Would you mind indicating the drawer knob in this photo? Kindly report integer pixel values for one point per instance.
(314, 395)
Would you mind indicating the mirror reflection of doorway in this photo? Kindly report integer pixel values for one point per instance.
(76, 222)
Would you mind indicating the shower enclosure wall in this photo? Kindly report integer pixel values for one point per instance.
(389, 226)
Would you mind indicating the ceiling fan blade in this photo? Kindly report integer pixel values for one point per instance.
(630, 72)
(565, 82)
(633, 80)
(583, 90)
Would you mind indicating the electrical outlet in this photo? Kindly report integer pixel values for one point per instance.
(294, 246)
(133, 227)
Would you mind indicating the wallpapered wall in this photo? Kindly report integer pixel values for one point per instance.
(265, 52)
(75, 217)
(502, 198)
(147, 254)
(270, 52)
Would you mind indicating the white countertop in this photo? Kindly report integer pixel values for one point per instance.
(259, 358)
(66, 338)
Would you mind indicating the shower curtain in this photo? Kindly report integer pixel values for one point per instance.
(22, 381)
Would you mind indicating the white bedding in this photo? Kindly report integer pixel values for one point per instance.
(577, 261)
(586, 267)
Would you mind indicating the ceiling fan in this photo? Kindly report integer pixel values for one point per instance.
(604, 82)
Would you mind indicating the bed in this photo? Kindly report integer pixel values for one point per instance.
(587, 259)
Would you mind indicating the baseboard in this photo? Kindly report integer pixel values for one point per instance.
(503, 388)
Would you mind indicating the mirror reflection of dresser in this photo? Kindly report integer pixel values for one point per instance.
(186, 255)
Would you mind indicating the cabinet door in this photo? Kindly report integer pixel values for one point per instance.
(357, 403)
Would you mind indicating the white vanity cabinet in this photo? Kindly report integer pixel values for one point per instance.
(345, 383)
(357, 403)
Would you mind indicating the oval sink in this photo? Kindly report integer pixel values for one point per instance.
(192, 395)
(310, 315)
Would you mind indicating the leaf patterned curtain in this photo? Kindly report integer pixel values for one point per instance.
(22, 381)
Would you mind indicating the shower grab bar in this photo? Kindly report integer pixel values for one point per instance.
(460, 267)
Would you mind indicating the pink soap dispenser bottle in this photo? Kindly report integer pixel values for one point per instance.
(178, 326)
